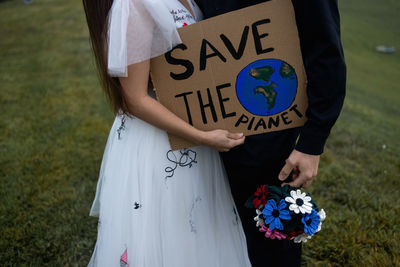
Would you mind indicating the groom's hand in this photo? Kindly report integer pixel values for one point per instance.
(305, 169)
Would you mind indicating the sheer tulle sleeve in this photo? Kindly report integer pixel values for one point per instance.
(138, 30)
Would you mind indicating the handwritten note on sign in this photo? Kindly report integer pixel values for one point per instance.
(241, 71)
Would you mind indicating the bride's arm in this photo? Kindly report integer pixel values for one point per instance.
(141, 105)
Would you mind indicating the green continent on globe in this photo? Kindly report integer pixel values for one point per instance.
(286, 71)
(269, 93)
(262, 73)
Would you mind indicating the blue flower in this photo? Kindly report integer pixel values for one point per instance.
(273, 214)
(311, 222)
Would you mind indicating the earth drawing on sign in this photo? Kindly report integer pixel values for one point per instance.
(266, 87)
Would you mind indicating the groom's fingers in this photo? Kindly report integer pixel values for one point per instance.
(285, 171)
(295, 173)
(307, 183)
(300, 181)
(304, 180)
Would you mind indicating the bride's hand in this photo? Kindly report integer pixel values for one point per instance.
(222, 140)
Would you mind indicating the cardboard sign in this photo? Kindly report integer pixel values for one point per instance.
(241, 71)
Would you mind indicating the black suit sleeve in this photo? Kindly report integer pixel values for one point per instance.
(319, 30)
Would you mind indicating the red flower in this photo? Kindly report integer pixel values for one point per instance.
(294, 234)
(260, 196)
(257, 203)
(261, 191)
(184, 24)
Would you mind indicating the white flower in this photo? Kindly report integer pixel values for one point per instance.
(258, 219)
(300, 203)
(302, 238)
(322, 215)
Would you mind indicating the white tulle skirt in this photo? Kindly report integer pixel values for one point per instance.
(162, 208)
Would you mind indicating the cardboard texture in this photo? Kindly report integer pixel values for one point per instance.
(241, 71)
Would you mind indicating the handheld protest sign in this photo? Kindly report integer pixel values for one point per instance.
(241, 71)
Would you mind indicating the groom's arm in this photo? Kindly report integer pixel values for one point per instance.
(319, 30)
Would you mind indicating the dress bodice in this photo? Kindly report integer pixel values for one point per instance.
(182, 17)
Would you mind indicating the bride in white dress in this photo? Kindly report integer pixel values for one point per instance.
(156, 207)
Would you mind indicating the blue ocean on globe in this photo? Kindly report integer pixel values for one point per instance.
(267, 87)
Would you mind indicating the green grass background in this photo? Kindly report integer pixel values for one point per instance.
(54, 121)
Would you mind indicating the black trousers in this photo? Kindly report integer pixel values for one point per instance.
(244, 181)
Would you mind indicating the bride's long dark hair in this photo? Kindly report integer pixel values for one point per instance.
(97, 19)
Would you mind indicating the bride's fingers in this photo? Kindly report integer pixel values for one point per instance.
(223, 140)
(234, 135)
(240, 141)
(233, 143)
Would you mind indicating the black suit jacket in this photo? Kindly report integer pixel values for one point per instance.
(319, 31)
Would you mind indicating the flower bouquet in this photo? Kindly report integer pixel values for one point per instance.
(286, 213)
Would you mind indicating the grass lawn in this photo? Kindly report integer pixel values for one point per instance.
(54, 121)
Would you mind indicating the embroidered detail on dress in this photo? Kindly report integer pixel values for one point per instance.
(137, 205)
(122, 127)
(186, 158)
(124, 259)
(191, 221)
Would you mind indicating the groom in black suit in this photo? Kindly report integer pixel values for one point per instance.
(291, 156)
